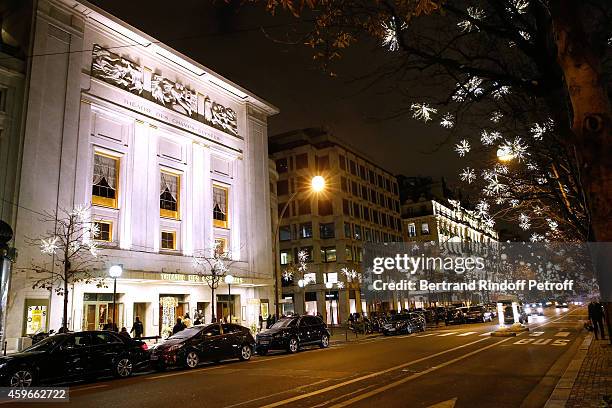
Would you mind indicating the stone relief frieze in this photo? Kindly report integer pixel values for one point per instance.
(130, 76)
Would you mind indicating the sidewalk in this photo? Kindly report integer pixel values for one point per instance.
(342, 334)
(593, 384)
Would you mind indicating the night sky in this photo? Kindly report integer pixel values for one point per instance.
(231, 42)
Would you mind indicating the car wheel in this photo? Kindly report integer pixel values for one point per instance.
(262, 351)
(123, 367)
(293, 346)
(22, 377)
(324, 341)
(245, 352)
(192, 359)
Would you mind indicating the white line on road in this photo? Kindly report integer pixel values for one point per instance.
(365, 377)
(536, 334)
(562, 334)
(466, 334)
(417, 375)
(485, 334)
(447, 334)
(279, 393)
(427, 335)
(91, 387)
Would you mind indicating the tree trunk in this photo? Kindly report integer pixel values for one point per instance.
(591, 125)
(65, 318)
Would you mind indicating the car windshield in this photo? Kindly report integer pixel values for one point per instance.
(399, 317)
(476, 309)
(46, 344)
(185, 334)
(284, 323)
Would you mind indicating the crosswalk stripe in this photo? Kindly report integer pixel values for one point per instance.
(485, 334)
(427, 335)
(447, 334)
(562, 334)
(466, 334)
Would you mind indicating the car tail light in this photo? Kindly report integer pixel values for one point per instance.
(144, 347)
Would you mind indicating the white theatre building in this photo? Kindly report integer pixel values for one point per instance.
(171, 157)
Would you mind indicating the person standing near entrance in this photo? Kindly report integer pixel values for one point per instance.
(260, 323)
(596, 315)
(137, 328)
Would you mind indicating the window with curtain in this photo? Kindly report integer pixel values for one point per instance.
(220, 206)
(105, 175)
(169, 190)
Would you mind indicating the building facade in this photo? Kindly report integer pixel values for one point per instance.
(359, 204)
(170, 158)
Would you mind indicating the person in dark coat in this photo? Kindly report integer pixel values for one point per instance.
(260, 322)
(124, 333)
(179, 326)
(596, 315)
(269, 321)
(137, 328)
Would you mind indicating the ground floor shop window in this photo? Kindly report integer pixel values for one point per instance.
(36, 316)
(331, 308)
(170, 308)
(98, 309)
(310, 303)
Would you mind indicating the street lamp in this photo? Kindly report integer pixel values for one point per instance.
(229, 279)
(329, 286)
(115, 272)
(504, 153)
(317, 185)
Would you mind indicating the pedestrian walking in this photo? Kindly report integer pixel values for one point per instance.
(137, 328)
(179, 326)
(260, 322)
(269, 321)
(124, 333)
(596, 315)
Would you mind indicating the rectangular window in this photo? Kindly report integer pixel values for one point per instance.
(105, 231)
(357, 229)
(105, 180)
(343, 184)
(366, 213)
(353, 168)
(348, 253)
(168, 240)
(411, 230)
(347, 230)
(304, 207)
(306, 230)
(425, 229)
(220, 207)
(284, 233)
(281, 166)
(342, 162)
(328, 254)
(310, 278)
(286, 257)
(282, 187)
(169, 195)
(367, 234)
(326, 231)
(362, 172)
(371, 176)
(301, 161)
(331, 277)
(364, 192)
(356, 210)
(355, 188)
(346, 207)
(323, 163)
(358, 254)
(325, 207)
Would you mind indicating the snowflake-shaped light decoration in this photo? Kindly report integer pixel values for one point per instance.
(552, 224)
(535, 237)
(467, 25)
(501, 168)
(302, 259)
(390, 37)
(422, 111)
(81, 212)
(93, 249)
(462, 148)
(515, 148)
(537, 210)
(287, 275)
(496, 116)
(514, 202)
(495, 186)
(537, 131)
(488, 138)
(49, 246)
(468, 175)
(448, 120)
(470, 88)
(524, 221)
(532, 166)
(541, 180)
(499, 91)
(482, 208)
(340, 285)
(526, 36)
(519, 5)
(489, 221)
(94, 230)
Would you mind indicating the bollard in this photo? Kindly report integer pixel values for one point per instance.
(4, 348)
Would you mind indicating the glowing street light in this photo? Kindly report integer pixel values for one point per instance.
(504, 153)
(115, 272)
(317, 184)
(229, 279)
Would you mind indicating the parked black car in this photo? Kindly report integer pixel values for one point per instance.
(478, 314)
(404, 323)
(291, 333)
(456, 316)
(73, 356)
(211, 342)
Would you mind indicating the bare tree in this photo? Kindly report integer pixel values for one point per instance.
(72, 253)
(212, 265)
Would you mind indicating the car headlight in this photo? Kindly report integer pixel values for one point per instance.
(540, 310)
(527, 310)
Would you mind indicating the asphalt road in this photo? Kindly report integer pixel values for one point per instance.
(461, 366)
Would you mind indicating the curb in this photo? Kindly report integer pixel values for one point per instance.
(561, 393)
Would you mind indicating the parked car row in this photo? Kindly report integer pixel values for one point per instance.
(471, 314)
(405, 323)
(94, 354)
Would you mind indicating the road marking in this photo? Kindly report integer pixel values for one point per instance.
(561, 342)
(87, 388)
(541, 342)
(365, 377)
(562, 334)
(466, 334)
(536, 334)
(447, 334)
(445, 404)
(427, 335)
(485, 334)
(412, 377)
(279, 393)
